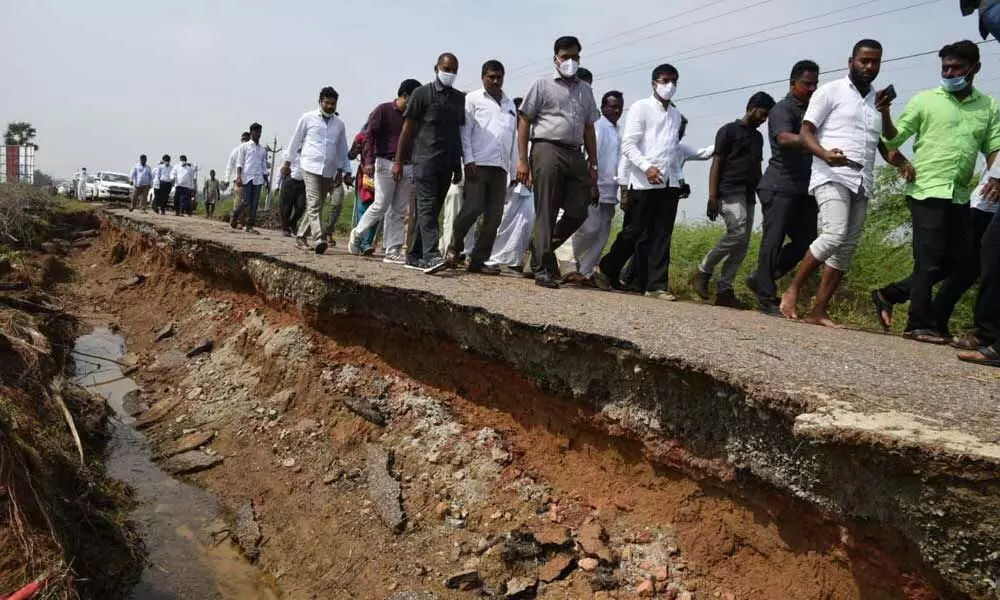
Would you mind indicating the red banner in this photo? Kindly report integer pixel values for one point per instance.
(13, 164)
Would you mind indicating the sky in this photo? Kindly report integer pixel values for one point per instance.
(107, 80)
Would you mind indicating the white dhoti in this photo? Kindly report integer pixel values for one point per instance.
(514, 234)
(590, 239)
(453, 204)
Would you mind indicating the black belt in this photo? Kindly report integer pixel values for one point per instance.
(562, 145)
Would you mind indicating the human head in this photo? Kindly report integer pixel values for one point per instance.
(759, 105)
(665, 81)
(804, 79)
(166, 159)
(566, 57)
(83, 169)
(446, 69)
(866, 62)
(612, 105)
(245, 136)
(142, 159)
(492, 74)
(255, 130)
(584, 74)
(328, 101)
(959, 63)
(184, 159)
(211, 173)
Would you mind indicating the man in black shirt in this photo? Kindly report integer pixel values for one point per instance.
(434, 115)
(739, 150)
(789, 210)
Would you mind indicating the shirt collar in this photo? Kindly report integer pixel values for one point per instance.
(437, 85)
(970, 98)
(871, 90)
(568, 81)
(606, 121)
(503, 95)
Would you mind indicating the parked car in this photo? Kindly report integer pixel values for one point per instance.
(64, 189)
(112, 186)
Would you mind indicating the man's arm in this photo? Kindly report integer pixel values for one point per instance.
(781, 127)
(898, 160)
(590, 145)
(345, 151)
(713, 187)
(294, 145)
(368, 146)
(523, 135)
(635, 127)
(465, 133)
(895, 134)
(833, 157)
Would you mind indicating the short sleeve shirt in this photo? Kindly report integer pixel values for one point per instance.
(439, 113)
(789, 168)
(741, 149)
(559, 109)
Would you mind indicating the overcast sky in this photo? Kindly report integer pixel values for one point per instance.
(105, 81)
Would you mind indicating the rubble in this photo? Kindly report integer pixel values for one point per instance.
(168, 331)
(464, 581)
(246, 531)
(202, 347)
(190, 462)
(367, 410)
(384, 489)
(191, 441)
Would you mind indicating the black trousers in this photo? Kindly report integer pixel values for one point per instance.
(293, 204)
(944, 249)
(647, 233)
(182, 200)
(484, 196)
(988, 302)
(561, 181)
(431, 181)
(160, 197)
(791, 216)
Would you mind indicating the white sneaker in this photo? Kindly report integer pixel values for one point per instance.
(661, 295)
(352, 244)
(394, 258)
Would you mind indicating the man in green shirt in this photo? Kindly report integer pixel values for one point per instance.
(953, 124)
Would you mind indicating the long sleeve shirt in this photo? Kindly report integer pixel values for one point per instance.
(685, 153)
(609, 149)
(252, 159)
(322, 142)
(489, 132)
(231, 165)
(650, 140)
(142, 176)
(385, 124)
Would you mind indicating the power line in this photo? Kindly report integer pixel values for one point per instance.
(642, 67)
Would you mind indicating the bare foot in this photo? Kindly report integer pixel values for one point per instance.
(789, 300)
(821, 319)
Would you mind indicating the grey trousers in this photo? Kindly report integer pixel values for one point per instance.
(317, 187)
(484, 196)
(561, 181)
(738, 213)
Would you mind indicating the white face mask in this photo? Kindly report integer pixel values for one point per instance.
(447, 79)
(666, 91)
(568, 67)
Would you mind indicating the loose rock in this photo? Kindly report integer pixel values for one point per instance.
(415, 596)
(171, 359)
(557, 568)
(367, 410)
(384, 490)
(190, 462)
(520, 587)
(192, 441)
(464, 581)
(133, 405)
(168, 331)
(202, 347)
(161, 410)
(588, 564)
(645, 589)
(246, 531)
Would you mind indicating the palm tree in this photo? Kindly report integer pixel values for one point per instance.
(20, 133)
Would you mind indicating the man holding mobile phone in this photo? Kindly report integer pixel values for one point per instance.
(830, 132)
(953, 123)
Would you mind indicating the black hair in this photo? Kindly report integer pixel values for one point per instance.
(166, 158)
(245, 134)
(565, 43)
(183, 158)
(612, 94)
(328, 92)
(407, 87)
(518, 101)
(256, 127)
(760, 100)
(866, 43)
(965, 51)
(664, 69)
(211, 171)
(493, 65)
(802, 67)
(142, 157)
(585, 74)
(445, 55)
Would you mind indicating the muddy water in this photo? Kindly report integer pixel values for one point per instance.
(180, 524)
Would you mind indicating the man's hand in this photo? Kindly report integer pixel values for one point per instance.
(369, 170)
(654, 176)
(348, 180)
(397, 170)
(835, 157)
(991, 191)
(624, 196)
(592, 168)
(471, 171)
(713, 209)
(338, 178)
(524, 172)
(882, 101)
(286, 170)
(685, 190)
(907, 172)
(457, 177)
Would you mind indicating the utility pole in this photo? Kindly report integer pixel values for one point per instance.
(272, 152)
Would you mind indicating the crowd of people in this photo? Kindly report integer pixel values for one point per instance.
(522, 181)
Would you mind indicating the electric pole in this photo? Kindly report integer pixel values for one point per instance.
(272, 152)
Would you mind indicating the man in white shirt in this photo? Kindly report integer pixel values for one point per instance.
(163, 181)
(142, 180)
(321, 139)
(514, 232)
(591, 238)
(490, 155)
(251, 176)
(649, 142)
(842, 129)
(185, 176)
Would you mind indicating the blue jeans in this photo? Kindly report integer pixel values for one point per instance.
(367, 239)
(248, 201)
(990, 20)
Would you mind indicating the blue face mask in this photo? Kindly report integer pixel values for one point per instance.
(954, 84)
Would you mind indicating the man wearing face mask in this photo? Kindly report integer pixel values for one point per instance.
(841, 129)
(649, 142)
(434, 116)
(954, 123)
(320, 139)
(732, 183)
(557, 117)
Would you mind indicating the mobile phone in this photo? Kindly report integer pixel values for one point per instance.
(890, 92)
(853, 164)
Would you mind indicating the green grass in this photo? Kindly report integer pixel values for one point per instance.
(344, 223)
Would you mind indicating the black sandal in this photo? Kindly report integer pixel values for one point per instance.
(926, 336)
(992, 357)
(882, 305)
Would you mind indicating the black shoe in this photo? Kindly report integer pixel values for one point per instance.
(546, 281)
(321, 248)
(234, 224)
(484, 270)
(700, 281)
(751, 282)
(728, 299)
(771, 308)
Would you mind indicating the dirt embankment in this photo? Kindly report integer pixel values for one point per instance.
(362, 461)
(62, 521)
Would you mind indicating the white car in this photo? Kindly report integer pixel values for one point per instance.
(112, 186)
